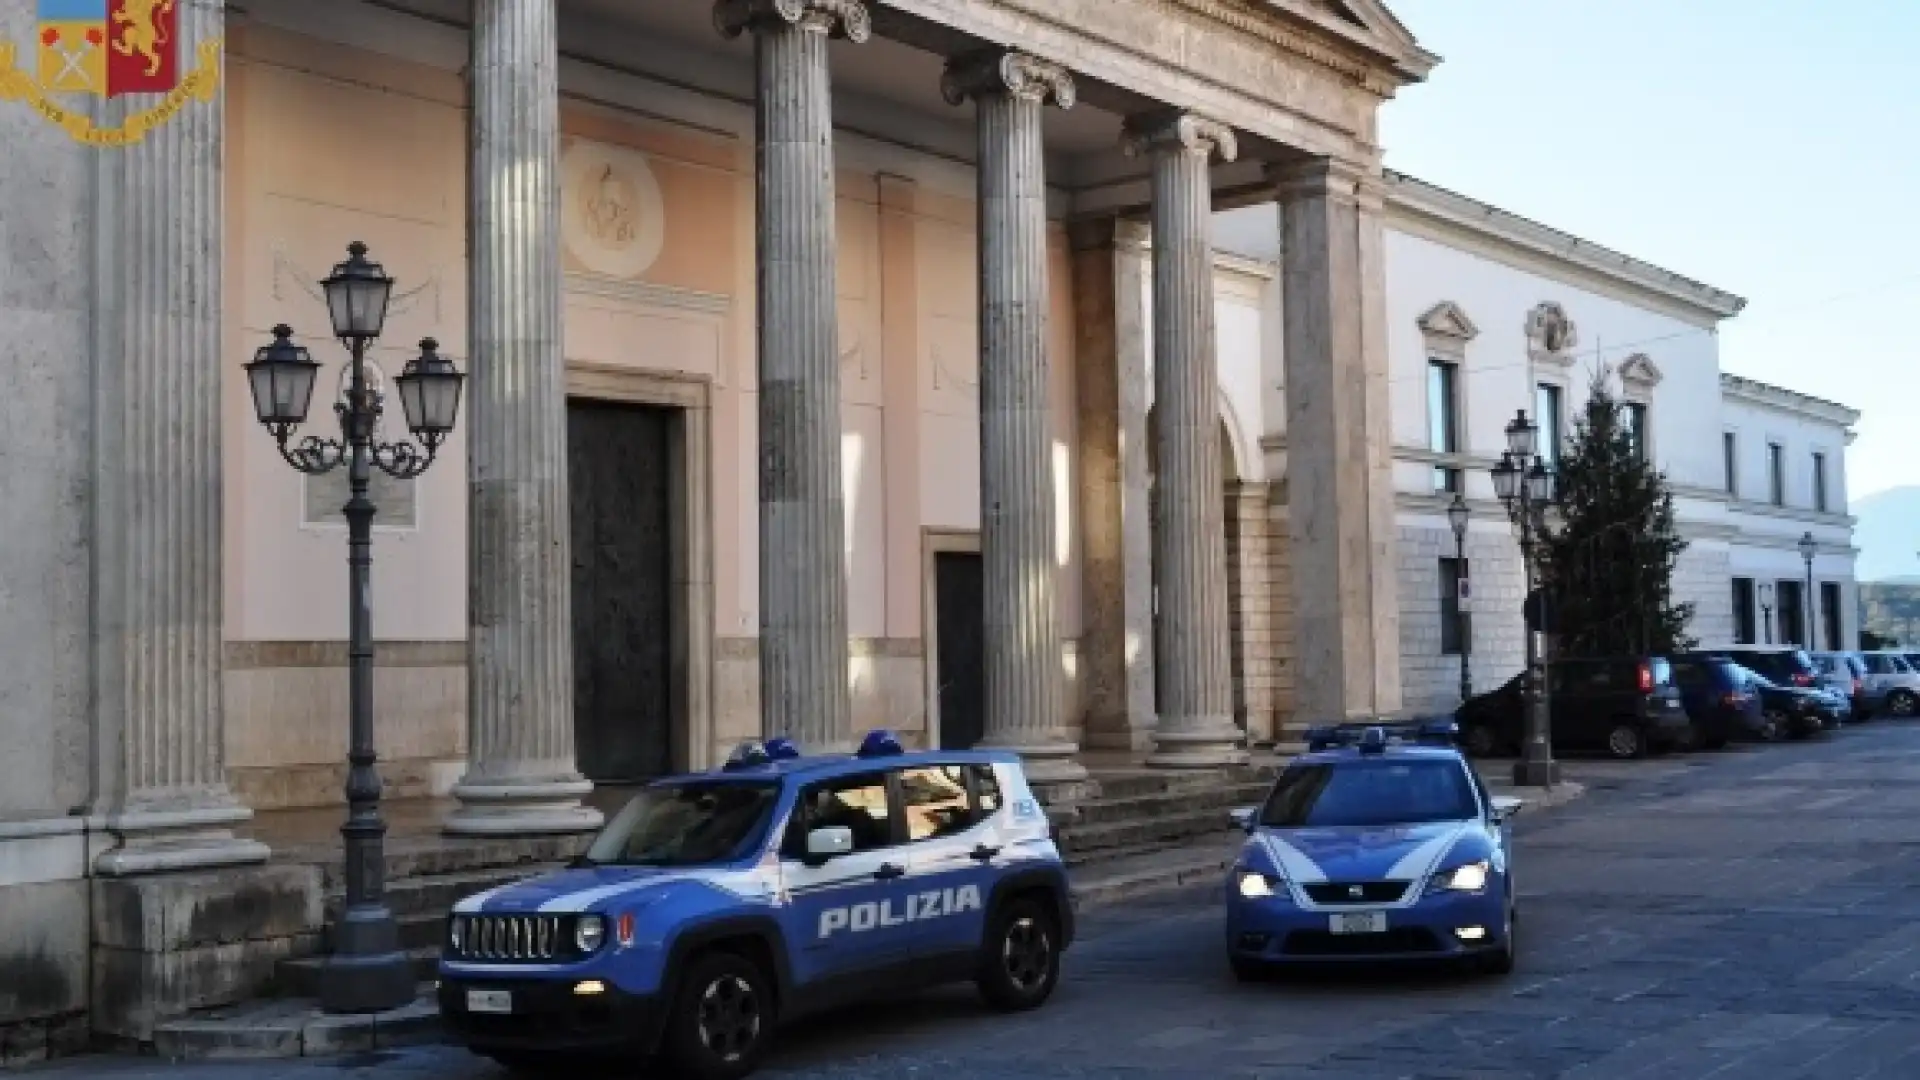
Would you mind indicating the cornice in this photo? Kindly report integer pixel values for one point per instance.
(1411, 198)
(1348, 52)
(1767, 395)
(1799, 515)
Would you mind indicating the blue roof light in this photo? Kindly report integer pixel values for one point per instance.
(781, 748)
(1439, 733)
(748, 755)
(1374, 741)
(880, 743)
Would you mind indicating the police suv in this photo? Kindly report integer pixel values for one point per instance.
(1379, 843)
(717, 905)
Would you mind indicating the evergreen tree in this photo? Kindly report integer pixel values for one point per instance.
(1608, 566)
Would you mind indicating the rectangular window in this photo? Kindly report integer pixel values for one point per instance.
(1744, 627)
(1776, 474)
(935, 801)
(857, 803)
(1546, 407)
(1830, 615)
(1456, 628)
(1793, 617)
(1637, 426)
(1730, 452)
(1819, 481)
(1443, 420)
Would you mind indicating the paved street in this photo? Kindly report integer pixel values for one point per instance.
(1748, 916)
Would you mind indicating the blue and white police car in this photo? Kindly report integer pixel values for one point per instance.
(1379, 843)
(718, 905)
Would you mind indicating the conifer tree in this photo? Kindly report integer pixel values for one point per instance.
(1609, 564)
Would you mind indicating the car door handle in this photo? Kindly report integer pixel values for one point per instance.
(983, 852)
(888, 872)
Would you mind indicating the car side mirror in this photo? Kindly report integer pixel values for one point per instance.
(1504, 808)
(1242, 818)
(829, 842)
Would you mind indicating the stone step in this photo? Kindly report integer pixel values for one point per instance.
(1134, 783)
(294, 1027)
(1165, 828)
(1146, 873)
(437, 893)
(1142, 807)
(299, 977)
(429, 857)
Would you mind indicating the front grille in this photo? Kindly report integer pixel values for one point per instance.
(1342, 892)
(508, 937)
(1406, 939)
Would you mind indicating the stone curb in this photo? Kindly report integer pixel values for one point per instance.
(292, 1029)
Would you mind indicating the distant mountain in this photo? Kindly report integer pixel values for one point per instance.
(1889, 535)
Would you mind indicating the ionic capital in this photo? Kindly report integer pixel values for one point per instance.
(991, 72)
(1178, 131)
(838, 18)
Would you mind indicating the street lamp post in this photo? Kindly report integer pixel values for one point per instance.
(1809, 547)
(1766, 610)
(1457, 517)
(1526, 487)
(367, 971)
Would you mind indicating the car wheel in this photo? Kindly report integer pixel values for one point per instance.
(722, 1018)
(1901, 703)
(1020, 962)
(1478, 740)
(1500, 961)
(1773, 726)
(1625, 741)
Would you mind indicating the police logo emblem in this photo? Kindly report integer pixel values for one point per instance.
(1356, 891)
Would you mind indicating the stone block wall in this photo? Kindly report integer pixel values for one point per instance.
(1430, 680)
(1259, 609)
(1704, 578)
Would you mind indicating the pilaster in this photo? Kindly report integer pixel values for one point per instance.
(1196, 726)
(1017, 528)
(803, 585)
(158, 262)
(521, 774)
(1339, 442)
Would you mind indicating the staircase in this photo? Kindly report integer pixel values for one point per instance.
(1143, 831)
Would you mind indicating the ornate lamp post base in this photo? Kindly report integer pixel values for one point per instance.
(1543, 773)
(359, 983)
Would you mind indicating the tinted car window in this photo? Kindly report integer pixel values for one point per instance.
(1878, 664)
(857, 803)
(935, 801)
(1662, 671)
(686, 824)
(1389, 792)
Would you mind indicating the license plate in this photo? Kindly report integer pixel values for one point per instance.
(1360, 922)
(489, 1001)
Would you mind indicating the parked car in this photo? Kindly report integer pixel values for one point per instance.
(1892, 680)
(1799, 711)
(1719, 701)
(1627, 706)
(1783, 665)
(1845, 675)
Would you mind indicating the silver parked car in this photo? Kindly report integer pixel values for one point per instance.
(1891, 679)
(1845, 676)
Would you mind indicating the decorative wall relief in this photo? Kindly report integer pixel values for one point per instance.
(1551, 335)
(612, 213)
(324, 495)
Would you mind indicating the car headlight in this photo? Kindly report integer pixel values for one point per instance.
(456, 931)
(1255, 885)
(1469, 878)
(589, 933)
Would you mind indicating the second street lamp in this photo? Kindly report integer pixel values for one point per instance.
(1809, 547)
(1457, 518)
(367, 970)
(1526, 487)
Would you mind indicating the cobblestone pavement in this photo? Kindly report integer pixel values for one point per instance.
(1749, 915)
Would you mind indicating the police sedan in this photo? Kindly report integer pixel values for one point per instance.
(1378, 844)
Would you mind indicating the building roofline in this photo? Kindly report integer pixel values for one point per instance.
(1779, 397)
(1413, 196)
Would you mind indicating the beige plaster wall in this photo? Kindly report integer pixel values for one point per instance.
(326, 145)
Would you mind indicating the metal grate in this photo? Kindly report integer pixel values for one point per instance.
(507, 937)
(1344, 892)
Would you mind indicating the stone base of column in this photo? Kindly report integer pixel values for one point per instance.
(1045, 760)
(522, 808)
(1203, 743)
(156, 839)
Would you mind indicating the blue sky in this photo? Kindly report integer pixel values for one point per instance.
(1770, 148)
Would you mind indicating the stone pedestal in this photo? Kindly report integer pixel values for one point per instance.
(1196, 726)
(521, 771)
(1116, 529)
(160, 725)
(803, 584)
(1017, 528)
(1339, 444)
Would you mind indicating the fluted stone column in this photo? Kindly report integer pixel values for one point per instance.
(803, 581)
(161, 765)
(1022, 633)
(1339, 443)
(522, 775)
(1196, 727)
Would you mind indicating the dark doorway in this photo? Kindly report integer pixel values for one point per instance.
(959, 623)
(619, 463)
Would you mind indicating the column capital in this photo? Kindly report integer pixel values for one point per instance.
(1100, 233)
(840, 18)
(1336, 179)
(996, 71)
(1175, 130)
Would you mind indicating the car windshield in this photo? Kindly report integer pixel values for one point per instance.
(686, 824)
(1378, 792)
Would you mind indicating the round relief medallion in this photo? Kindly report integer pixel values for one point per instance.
(612, 214)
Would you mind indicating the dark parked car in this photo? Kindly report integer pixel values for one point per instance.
(1720, 702)
(1783, 665)
(1626, 706)
(1801, 710)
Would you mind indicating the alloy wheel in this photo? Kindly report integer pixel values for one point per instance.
(730, 1017)
(1623, 741)
(1027, 953)
(1900, 703)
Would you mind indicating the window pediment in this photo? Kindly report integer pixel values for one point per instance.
(1639, 374)
(1446, 321)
